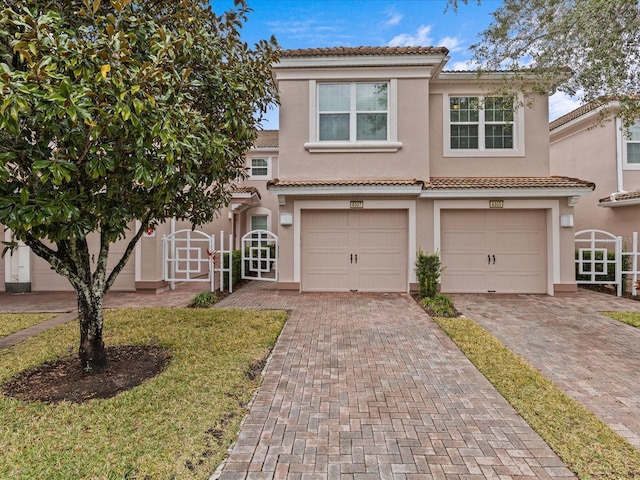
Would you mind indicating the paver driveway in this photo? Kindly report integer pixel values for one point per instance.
(366, 386)
(594, 359)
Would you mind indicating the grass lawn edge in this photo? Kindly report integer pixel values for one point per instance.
(589, 447)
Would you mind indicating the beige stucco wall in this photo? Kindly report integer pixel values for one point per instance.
(535, 161)
(410, 161)
(44, 279)
(588, 151)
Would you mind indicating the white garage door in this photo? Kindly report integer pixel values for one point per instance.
(502, 251)
(354, 250)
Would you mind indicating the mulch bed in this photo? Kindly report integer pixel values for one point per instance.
(64, 379)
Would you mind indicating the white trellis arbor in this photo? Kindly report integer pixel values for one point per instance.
(191, 256)
(260, 256)
(600, 259)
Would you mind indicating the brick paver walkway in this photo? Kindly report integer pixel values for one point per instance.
(64, 304)
(594, 359)
(367, 386)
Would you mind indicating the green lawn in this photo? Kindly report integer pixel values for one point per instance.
(585, 444)
(176, 425)
(630, 318)
(13, 322)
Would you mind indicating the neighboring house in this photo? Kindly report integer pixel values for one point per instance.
(249, 209)
(591, 140)
(383, 154)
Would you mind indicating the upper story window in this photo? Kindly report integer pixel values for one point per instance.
(479, 126)
(353, 116)
(352, 112)
(260, 168)
(631, 151)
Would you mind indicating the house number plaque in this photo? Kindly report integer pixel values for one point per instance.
(356, 204)
(496, 203)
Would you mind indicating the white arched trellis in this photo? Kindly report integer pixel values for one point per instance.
(260, 256)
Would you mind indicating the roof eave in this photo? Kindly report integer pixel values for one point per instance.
(620, 203)
(587, 118)
(264, 149)
(334, 61)
(504, 192)
(317, 190)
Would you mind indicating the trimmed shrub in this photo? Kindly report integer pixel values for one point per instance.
(428, 270)
(440, 305)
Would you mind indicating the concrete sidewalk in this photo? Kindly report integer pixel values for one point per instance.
(367, 386)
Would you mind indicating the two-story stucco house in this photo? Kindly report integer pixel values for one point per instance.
(592, 141)
(383, 153)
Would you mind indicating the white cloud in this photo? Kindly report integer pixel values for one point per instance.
(560, 103)
(420, 38)
(454, 44)
(393, 20)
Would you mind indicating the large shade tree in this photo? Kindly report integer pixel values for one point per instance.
(118, 111)
(591, 47)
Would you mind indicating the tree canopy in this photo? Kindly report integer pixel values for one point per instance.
(120, 110)
(589, 48)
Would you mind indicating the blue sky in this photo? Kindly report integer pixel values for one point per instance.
(332, 23)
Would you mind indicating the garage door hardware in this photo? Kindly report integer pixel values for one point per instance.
(489, 259)
(352, 256)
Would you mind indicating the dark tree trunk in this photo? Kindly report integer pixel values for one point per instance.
(91, 317)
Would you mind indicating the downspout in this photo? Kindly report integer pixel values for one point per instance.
(619, 147)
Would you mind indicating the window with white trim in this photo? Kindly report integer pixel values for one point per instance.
(631, 150)
(353, 112)
(259, 168)
(259, 222)
(478, 126)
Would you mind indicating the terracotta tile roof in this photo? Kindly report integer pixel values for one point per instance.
(351, 51)
(625, 196)
(267, 139)
(578, 112)
(450, 183)
(246, 190)
(333, 183)
(468, 183)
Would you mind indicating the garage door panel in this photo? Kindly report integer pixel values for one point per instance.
(380, 280)
(462, 219)
(376, 219)
(515, 238)
(381, 240)
(521, 242)
(364, 250)
(461, 281)
(327, 239)
(519, 282)
(375, 261)
(459, 242)
(515, 262)
(326, 280)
